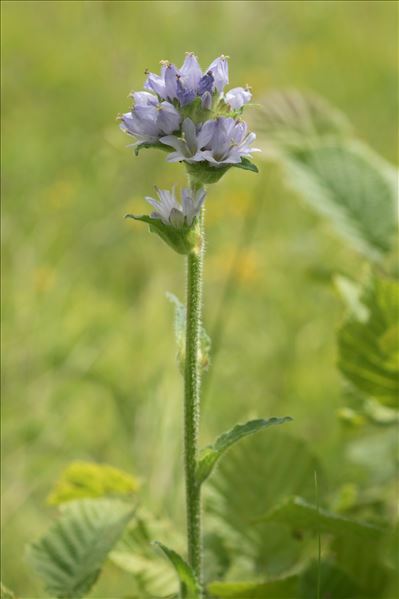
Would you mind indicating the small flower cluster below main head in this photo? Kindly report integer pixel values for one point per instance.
(188, 111)
(176, 223)
(170, 212)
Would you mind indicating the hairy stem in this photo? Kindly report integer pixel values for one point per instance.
(192, 385)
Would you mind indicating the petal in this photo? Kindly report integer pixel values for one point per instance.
(220, 71)
(144, 99)
(168, 118)
(191, 72)
(206, 84)
(170, 82)
(174, 142)
(156, 84)
(190, 135)
(206, 133)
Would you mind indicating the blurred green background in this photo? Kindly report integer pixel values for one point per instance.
(88, 345)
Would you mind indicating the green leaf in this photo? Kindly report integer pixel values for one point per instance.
(189, 587)
(253, 476)
(246, 165)
(281, 588)
(352, 187)
(211, 454)
(70, 556)
(205, 174)
(290, 119)
(180, 333)
(155, 145)
(368, 349)
(334, 583)
(299, 514)
(360, 558)
(152, 575)
(82, 480)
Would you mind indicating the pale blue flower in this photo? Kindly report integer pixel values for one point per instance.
(188, 82)
(149, 118)
(229, 143)
(170, 212)
(188, 145)
(220, 141)
(237, 97)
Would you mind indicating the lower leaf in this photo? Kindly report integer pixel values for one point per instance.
(188, 584)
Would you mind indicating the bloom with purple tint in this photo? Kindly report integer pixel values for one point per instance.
(220, 141)
(170, 212)
(229, 143)
(237, 97)
(188, 82)
(149, 118)
(188, 145)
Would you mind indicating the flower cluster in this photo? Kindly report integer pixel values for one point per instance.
(187, 111)
(176, 223)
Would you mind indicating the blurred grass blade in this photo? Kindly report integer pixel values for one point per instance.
(291, 119)
(70, 556)
(299, 514)
(189, 587)
(211, 454)
(354, 188)
(368, 347)
(84, 480)
(283, 588)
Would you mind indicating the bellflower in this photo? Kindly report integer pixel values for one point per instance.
(149, 118)
(174, 222)
(224, 140)
(237, 97)
(170, 212)
(189, 82)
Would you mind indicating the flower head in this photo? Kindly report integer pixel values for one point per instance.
(174, 222)
(187, 112)
(170, 212)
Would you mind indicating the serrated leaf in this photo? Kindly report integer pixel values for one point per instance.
(299, 514)
(81, 480)
(253, 477)
(189, 587)
(352, 187)
(368, 357)
(211, 454)
(70, 556)
(180, 333)
(152, 575)
(281, 588)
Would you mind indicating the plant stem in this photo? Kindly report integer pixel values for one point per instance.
(192, 384)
